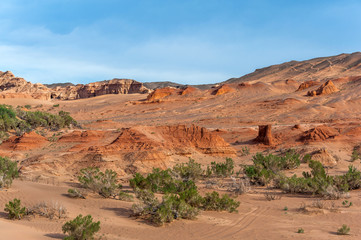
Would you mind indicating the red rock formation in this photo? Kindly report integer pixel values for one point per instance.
(306, 85)
(265, 135)
(188, 90)
(27, 141)
(166, 140)
(326, 88)
(161, 93)
(14, 87)
(181, 136)
(319, 133)
(115, 86)
(223, 89)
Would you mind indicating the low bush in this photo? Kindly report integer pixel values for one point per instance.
(160, 181)
(189, 171)
(344, 230)
(49, 210)
(267, 168)
(222, 169)
(212, 201)
(8, 171)
(15, 210)
(76, 193)
(104, 183)
(355, 155)
(318, 182)
(81, 228)
(125, 196)
(272, 196)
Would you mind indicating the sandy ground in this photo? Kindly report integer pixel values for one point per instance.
(257, 218)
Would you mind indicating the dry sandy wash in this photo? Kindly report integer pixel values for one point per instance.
(313, 107)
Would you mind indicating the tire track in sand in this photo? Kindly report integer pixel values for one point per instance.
(244, 222)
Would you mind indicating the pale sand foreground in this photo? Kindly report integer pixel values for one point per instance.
(256, 219)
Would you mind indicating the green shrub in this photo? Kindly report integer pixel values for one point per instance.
(27, 106)
(212, 201)
(258, 174)
(8, 171)
(346, 203)
(56, 105)
(344, 230)
(125, 196)
(355, 155)
(189, 171)
(300, 230)
(161, 181)
(76, 193)
(223, 169)
(14, 209)
(81, 228)
(349, 181)
(106, 184)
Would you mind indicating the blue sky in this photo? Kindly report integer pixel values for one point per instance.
(190, 42)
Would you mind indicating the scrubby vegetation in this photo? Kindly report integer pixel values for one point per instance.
(76, 193)
(48, 210)
(8, 171)
(320, 183)
(344, 230)
(81, 228)
(104, 183)
(15, 210)
(266, 168)
(189, 171)
(223, 169)
(24, 121)
(181, 199)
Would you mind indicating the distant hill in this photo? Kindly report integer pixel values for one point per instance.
(342, 65)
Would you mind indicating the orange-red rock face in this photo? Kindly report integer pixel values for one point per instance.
(27, 141)
(225, 88)
(265, 135)
(161, 93)
(326, 88)
(320, 133)
(14, 87)
(306, 85)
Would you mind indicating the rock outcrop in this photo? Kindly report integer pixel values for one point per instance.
(223, 89)
(324, 157)
(152, 146)
(306, 85)
(115, 86)
(326, 88)
(265, 135)
(15, 87)
(27, 141)
(161, 93)
(320, 133)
